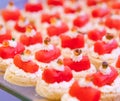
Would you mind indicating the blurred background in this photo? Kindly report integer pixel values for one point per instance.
(18, 3)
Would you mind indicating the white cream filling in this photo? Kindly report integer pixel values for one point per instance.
(68, 97)
(105, 70)
(26, 58)
(83, 73)
(19, 72)
(12, 43)
(35, 47)
(57, 66)
(113, 88)
(83, 83)
(47, 47)
(62, 84)
(31, 33)
(72, 34)
(12, 8)
(105, 57)
(76, 58)
(23, 23)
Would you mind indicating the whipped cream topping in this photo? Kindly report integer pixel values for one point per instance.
(19, 72)
(105, 71)
(72, 34)
(12, 43)
(84, 83)
(76, 58)
(47, 47)
(31, 33)
(11, 7)
(57, 66)
(23, 23)
(26, 57)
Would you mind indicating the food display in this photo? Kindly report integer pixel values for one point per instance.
(67, 50)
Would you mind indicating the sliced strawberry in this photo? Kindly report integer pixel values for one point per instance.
(33, 7)
(51, 75)
(96, 34)
(83, 64)
(47, 55)
(37, 38)
(11, 15)
(100, 79)
(81, 20)
(100, 12)
(72, 43)
(79, 92)
(28, 66)
(57, 30)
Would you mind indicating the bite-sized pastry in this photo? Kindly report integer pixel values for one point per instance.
(103, 51)
(10, 15)
(30, 37)
(71, 40)
(32, 11)
(11, 12)
(57, 27)
(55, 81)
(24, 71)
(4, 33)
(8, 50)
(105, 75)
(79, 64)
(47, 52)
(107, 80)
(22, 24)
(100, 86)
(78, 91)
(81, 20)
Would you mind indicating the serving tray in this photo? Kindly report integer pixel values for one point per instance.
(23, 93)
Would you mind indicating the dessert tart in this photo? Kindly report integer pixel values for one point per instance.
(10, 15)
(48, 52)
(55, 81)
(103, 51)
(80, 64)
(24, 71)
(11, 12)
(8, 50)
(77, 92)
(100, 86)
(58, 47)
(30, 37)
